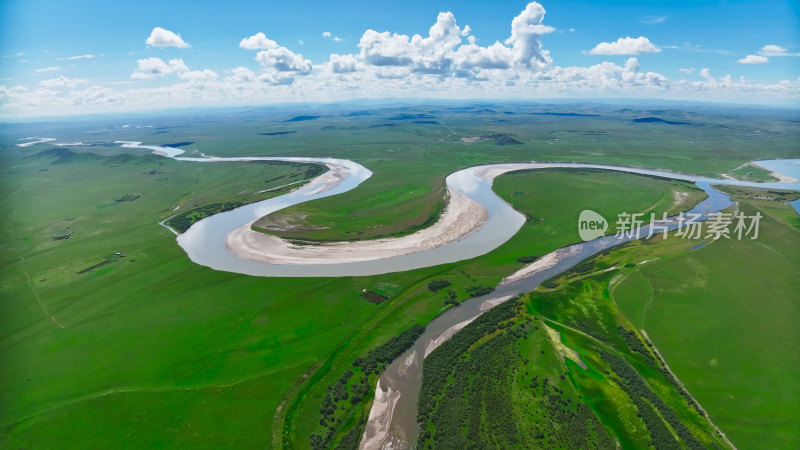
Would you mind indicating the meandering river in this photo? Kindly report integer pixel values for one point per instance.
(392, 422)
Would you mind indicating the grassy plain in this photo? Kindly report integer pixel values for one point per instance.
(724, 317)
(155, 349)
(751, 172)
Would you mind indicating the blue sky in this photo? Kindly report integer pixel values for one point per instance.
(86, 57)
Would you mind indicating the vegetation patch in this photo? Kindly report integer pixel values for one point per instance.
(278, 133)
(753, 193)
(659, 120)
(374, 297)
(127, 198)
(503, 139)
(345, 396)
(527, 259)
(728, 361)
(752, 172)
(607, 387)
(437, 285)
(478, 291)
(302, 118)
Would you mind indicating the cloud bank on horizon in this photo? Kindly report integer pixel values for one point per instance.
(449, 62)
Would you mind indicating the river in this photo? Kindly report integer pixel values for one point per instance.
(392, 422)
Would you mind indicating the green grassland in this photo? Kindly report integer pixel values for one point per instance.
(751, 172)
(724, 316)
(773, 195)
(512, 383)
(157, 351)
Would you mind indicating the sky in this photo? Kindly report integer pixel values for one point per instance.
(90, 57)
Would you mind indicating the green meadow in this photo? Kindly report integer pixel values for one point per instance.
(152, 350)
(724, 318)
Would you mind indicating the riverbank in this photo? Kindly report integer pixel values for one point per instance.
(461, 217)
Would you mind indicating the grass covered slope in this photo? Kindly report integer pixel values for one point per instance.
(725, 318)
(565, 371)
(499, 384)
(380, 207)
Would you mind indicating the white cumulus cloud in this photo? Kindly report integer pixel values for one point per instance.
(445, 63)
(160, 37)
(775, 50)
(241, 74)
(343, 63)
(753, 59)
(431, 54)
(282, 59)
(61, 82)
(625, 46)
(522, 49)
(495, 56)
(258, 41)
(156, 67)
(443, 51)
(280, 64)
(772, 50)
(329, 35)
(526, 30)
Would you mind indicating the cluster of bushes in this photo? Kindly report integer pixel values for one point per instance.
(632, 339)
(128, 198)
(184, 220)
(467, 399)
(351, 440)
(581, 324)
(437, 285)
(582, 268)
(477, 291)
(386, 353)
(649, 405)
(338, 392)
(479, 392)
(439, 364)
(451, 301)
